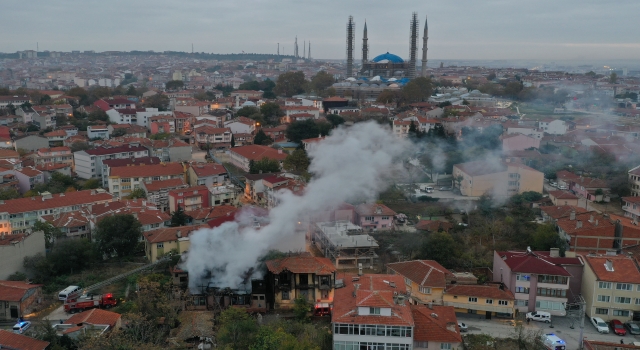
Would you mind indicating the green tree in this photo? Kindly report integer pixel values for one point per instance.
(131, 91)
(321, 81)
(491, 76)
(160, 101)
(417, 90)
(137, 193)
(265, 165)
(98, 115)
(247, 111)
(262, 139)
(119, 132)
(300, 130)
(233, 141)
(51, 233)
(441, 247)
(390, 97)
(91, 184)
(9, 193)
(271, 112)
(301, 309)
(17, 276)
(297, 161)
(179, 218)
(335, 119)
(546, 237)
(290, 83)
(118, 235)
(237, 329)
(613, 78)
(173, 85)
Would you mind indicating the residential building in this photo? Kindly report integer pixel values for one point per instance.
(634, 181)
(130, 130)
(108, 103)
(88, 164)
(100, 131)
(14, 248)
(553, 126)
(254, 186)
(31, 142)
(54, 155)
(540, 281)
(18, 215)
(158, 191)
(10, 340)
(17, 298)
(109, 164)
(490, 300)
(519, 142)
(276, 133)
(553, 213)
(93, 321)
(243, 155)
(631, 207)
(425, 280)
(590, 188)
(275, 183)
(203, 215)
(589, 232)
(28, 178)
(563, 198)
(502, 180)
(246, 94)
(223, 194)
(211, 138)
(10, 155)
(436, 328)
(374, 217)
(48, 120)
(13, 100)
(208, 174)
(170, 150)
(610, 286)
(309, 277)
(123, 180)
(241, 125)
(163, 240)
(73, 224)
(191, 198)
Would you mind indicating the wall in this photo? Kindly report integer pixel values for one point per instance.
(12, 255)
(179, 154)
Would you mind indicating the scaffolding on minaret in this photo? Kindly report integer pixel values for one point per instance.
(413, 46)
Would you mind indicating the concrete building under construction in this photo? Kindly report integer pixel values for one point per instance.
(344, 243)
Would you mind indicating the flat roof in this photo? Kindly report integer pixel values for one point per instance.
(337, 233)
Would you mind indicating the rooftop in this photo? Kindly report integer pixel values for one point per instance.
(15, 290)
(168, 234)
(301, 264)
(435, 324)
(152, 170)
(534, 262)
(21, 205)
(622, 269)
(12, 340)
(426, 273)
(95, 317)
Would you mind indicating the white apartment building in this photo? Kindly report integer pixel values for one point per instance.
(88, 164)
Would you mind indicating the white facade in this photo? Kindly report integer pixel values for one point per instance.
(555, 127)
(96, 131)
(143, 117)
(526, 131)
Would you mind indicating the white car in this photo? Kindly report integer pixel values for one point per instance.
(600, 325)
(20, 327)
(554, 184)
(563, 187)
(463, 327)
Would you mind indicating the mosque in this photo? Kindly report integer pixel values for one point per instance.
(386, 66)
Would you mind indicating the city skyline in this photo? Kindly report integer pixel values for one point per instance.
(495, 29)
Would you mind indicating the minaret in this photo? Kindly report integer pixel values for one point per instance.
(424, 48)
(309, 55)
(365, 45)
(304, 49)
(413, 52)
(295, 48)
(278, 49)
(351, 27)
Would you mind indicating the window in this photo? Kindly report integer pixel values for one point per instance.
(160, 245)
(624, 313)
(604, 298)
(604, 285)
(524, 290)
(368, 218)
(473, 299)
(285, 295)
(425, 290)
(489, 301)
(623, 300)
(374, 311)
(407, 281)
(503, 302)
(521, 277)
(445, 346)
(637, 301)
(602, 311)
(624, 286)
(385, 218)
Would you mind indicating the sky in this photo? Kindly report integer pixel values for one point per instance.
(460, 29)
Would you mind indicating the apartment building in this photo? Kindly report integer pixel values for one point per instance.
(53, 155)
(191, 198)
(425, 280)
(109, 164)
(14, 248)
(208, 174)
(158, 191)
(163, 240)
(634, 181)
(610, 287)
(28, 177)
(243, 155)
(207, 136)
(123, 180)
(501, 180)
(540, 281)
(88, 164)
(490, 300)
(18, 215)
(374, 217)
(631, 207)
(308, 277)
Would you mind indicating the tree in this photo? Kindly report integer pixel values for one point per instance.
(9, 193)
(465, 102)
(173, 85)
(247, 111)
(91, 184)
(237, 329)
(119, 132)
(271, 112)
(613, 78)
(137, 193)
(331, 92)
(131, 91)
(300, 130)
(80, 146)
(17, 276)
(301, 309)
(491, 76)
(118, 235)
(390, 97)
(233, 141)
(297, 161)
(334, 119)
(179, 218)
(417, 90)
(290, 83)
(160, 101)
(262, 139)
(546, 237)
(51, 233)
(321, 81)
(441, 247)
(265, 165)
(98, 115)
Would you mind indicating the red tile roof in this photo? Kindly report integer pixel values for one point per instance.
(15, 290)
(30, 171)
(164, 184)
(100, 151)
(301, 264)
(148, 170)
(168, 234)
(531, 262)
(257, 152)
(210, 213)
(562, 195)
(21, 205)
(374, 209)
(589, 182)
(95, 317)
(114, 163)
(584, 222)
(436, 324)
(12, 340)
(55, 133)
(631, 199)
(560, 211)
(490, 291)
(427, 273)
(208, 169)
(625, 269)
(9, 153)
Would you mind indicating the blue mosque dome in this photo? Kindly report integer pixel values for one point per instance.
(388, 56)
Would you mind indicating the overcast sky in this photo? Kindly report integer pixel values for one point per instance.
(460, 29)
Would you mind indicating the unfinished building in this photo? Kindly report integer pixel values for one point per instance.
(344, 243)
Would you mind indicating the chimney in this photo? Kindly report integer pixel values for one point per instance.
(179, 234)
(591, 218)
(451, 326)
(596, 222)
(608, 265)
(554, 252)
(355, 289)
(572, 215)
(430, 305)
(579, 224)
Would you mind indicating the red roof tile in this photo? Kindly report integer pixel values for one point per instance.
(491, 291)
(21, 205)
(531, 262)
(95, 317)
(208, 169)
(426, 273)
(257, 152)
(436, 324)
(625, 269)
(164, 184)
(562, 195)
(374, 209)
(148, 170)
(15, 290)
(210, 213)
(12, 340)
(301, 264)
(168, 234)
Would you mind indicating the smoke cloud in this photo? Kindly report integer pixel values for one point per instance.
(352, 164)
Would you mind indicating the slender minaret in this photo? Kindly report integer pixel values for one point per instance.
(309, 55)
(365, 45)
(304, 49)
(278, 49)
(351, 27)
(295, 48)
(425, 38)
(414, 46)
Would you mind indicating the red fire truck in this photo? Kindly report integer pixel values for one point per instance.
(78, 303)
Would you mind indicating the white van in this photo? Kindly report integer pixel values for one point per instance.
(553, 342)
(65, 292)
(540, 316)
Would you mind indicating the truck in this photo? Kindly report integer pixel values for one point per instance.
(78, 303)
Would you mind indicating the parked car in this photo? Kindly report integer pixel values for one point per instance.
(617, 327)
(540, 316)
(601, 327)
(21, 327)
(553, 342)
(632, 328)
(554, 184)
(463, 327)
(563, 187)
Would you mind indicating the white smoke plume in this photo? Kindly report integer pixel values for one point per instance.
(351, 164)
